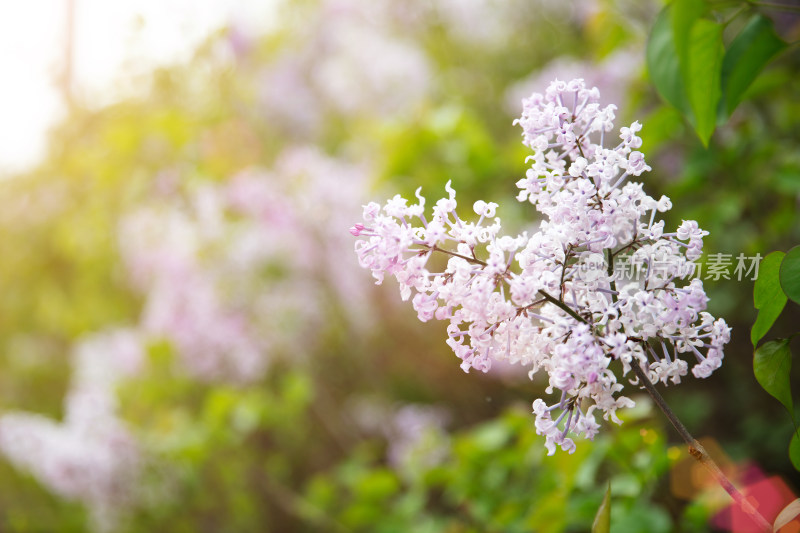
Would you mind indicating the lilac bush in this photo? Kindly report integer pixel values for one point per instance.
(91, 455)
(238, 273)
(233, 276)
(599, 281)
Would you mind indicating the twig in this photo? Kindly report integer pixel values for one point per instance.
(697, 451)
(473, 260)
(776, 6)
(564, 307)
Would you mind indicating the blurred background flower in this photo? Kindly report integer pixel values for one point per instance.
(186, 340)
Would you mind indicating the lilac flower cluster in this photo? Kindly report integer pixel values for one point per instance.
(91, 456)
(519, 299)
(233, 276)
(347, 59)
(612, 76)
(232, 273)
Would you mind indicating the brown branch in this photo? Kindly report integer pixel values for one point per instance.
(564, 307)
(473, 260)
(697, 451)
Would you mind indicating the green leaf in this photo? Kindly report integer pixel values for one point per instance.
(663, 63)
(789, 275)
(684, 58)
(378, 484)
(705, 51)
(602, 520)
(768, 297)
(683, 15)
(794, 451)
(747, 55)
(771, 365)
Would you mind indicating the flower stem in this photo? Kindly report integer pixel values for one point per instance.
(448, 252)
(697, 451)
(564, 307)
(776, 6)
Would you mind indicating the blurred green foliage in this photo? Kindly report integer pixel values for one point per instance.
(772, 361)
(497, 478)
(693, 69)
(285, 454)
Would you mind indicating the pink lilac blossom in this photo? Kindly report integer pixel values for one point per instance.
(287, 97)
(483, 22)
(612, 76)
(364, 69)
(230, 274)
(555, 299)
(489, 23)
(348, 58)
(90, 456)
(237, 273)
(416, 438)
(162, 246)
(415, 434)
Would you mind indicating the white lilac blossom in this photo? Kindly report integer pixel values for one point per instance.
(600, 281)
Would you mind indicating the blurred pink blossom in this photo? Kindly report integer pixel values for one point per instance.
(349, 58)
(235, 273)
(90, 456)
(612, 77)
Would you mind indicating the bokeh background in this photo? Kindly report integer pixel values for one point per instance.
(187, 342)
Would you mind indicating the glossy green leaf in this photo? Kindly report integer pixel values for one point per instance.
(683, 15)
(704, 55)
(771, 365)
(747, 55)
(768, 297)
(789, 275)
(794, 451)
(602, 520)
(663, 63)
